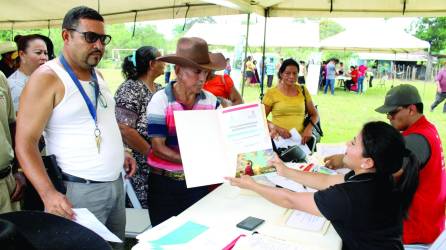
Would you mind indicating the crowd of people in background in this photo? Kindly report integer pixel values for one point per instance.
(333, 72)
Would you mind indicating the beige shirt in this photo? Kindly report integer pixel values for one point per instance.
(7, 116)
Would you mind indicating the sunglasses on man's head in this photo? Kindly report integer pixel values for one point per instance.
(92, 37)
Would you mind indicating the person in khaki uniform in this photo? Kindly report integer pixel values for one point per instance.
(11, 185)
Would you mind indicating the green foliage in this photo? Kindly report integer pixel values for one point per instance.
(433, 30)
(300, 54)
(344, 56)
(329, 28)
(53, 34)
(181, 29)
(5, 35)
(144, 35)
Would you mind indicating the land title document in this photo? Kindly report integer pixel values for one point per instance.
(211, 140)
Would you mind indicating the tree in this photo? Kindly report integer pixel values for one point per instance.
(433, 30)
(5, 35)
(329, 28)
(181, 29)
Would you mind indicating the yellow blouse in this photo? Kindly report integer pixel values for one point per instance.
(287, 111)
(250, 66)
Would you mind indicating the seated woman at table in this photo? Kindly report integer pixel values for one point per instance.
(365, 206)
(223, 88)
(351, 85)
(168, 195)
(287, 104)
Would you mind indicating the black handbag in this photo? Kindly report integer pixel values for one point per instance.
(317, 129)
(54, 172)
(32, 200)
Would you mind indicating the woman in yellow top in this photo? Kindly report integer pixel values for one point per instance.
(249, 71)
(287, 104)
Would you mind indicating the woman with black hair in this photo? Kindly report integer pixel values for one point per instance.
(140, 71)
(287, 102)
(33, 52)
(365, 206)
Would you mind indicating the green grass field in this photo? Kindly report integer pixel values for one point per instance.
(343, 114)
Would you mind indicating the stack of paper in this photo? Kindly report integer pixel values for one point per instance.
(176, 233)
(295, 139)
(263, 242)
(325, 150)
(287, 183)
(305, 221)
(85, 218)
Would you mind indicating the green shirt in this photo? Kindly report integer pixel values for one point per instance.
(7, 116)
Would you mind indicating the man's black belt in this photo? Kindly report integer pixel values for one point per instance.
(5, 172)
(72, 178)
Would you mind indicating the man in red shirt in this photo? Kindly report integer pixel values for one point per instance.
(426, 218)
(352, 84)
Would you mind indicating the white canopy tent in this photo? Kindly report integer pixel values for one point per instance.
(279, 35)
(405, 57)
(19, 14)
(374, 39)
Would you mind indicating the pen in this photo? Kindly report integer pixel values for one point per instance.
(232, 243)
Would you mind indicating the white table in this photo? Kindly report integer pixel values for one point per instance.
(341, 80)
(228, 205)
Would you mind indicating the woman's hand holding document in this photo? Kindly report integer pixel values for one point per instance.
(211, 140)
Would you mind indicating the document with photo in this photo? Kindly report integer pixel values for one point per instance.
(211, 140)
(255, 163)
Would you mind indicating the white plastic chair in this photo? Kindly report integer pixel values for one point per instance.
(439, 244)
(137, 218)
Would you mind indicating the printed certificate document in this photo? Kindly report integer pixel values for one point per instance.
(211, 140)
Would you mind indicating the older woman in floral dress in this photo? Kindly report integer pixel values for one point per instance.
(140, 71)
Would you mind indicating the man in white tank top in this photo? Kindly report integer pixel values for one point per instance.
(68, 99)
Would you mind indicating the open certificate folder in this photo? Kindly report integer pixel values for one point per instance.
(211, 140)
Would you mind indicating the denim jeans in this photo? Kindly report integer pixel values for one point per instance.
(329, 82)
(360, 84)
(439, 97)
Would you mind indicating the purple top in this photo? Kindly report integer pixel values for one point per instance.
(441, 77)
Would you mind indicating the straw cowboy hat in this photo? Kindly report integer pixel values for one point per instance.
(194, 52)
(6, 47)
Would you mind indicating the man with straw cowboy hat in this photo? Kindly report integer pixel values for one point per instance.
(8, 52)
(168, 195)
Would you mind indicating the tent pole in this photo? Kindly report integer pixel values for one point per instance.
(246, 54)
(49, 29)
(429, 65)
(263, 55)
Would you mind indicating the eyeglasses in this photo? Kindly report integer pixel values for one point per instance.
(92, 37)
(101, 98)
(394, 112)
